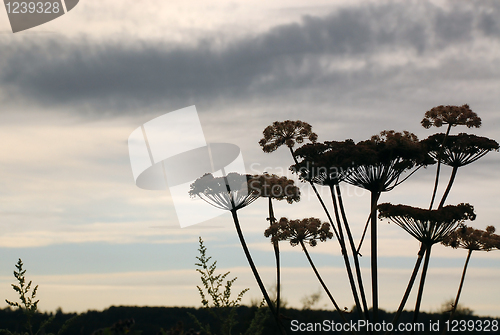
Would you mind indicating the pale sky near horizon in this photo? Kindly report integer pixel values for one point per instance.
(73, 90)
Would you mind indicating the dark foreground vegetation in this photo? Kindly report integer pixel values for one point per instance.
(176, 320)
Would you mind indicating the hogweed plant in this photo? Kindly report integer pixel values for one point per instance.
(451, 116)
(299, 231)
(378, 164)
(279, 188)
(470, 239)
(236, 191)
(296, 131)
(428, 227)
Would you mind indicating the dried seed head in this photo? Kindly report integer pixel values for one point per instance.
(451, 115)
(286, 133)
(427, 226)
(308, 230)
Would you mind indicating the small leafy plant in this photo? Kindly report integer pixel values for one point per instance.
(217, 300)
(29, 305)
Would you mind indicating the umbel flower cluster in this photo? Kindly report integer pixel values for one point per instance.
(308, 230)
(378, 164)
(286, 133)
(451, 116)
(427, 226)
(236, 191)
(473, 239)
(458, 150)
(272, 186)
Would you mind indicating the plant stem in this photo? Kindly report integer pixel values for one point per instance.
(364, 233)
(255, 272)
(319, 199)
(410, 286)
(436, 181)
(455, 304)
(374, 199)
(421, 286)
(339, 238)
(272, 220)
(448, 188)
(322, 282)
(353, 249)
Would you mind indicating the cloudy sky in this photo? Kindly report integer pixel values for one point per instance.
(74, 89)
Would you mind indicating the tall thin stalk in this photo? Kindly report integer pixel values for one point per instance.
(455, 304)
(255, 272)
(322, 282)
(367, 223)
(353, 247)
(438, 169)
(422, 283)
(341, 242)
(373, 256)
(272, 220)
(250, 260)
(448, 188)
(410, 286)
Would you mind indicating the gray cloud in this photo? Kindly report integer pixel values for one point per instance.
(288, 58)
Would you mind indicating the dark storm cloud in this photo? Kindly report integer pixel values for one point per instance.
(288, 57)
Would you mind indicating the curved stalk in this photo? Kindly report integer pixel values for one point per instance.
(448, 188)
(421, 286)
(438, 169)
(322, 282)
(409, 287)
(255, 272)
(455, 304)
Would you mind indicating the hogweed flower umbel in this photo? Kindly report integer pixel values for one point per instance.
(236, 191)
(231, 192)
(470, 239)
(459, 150)
(308, 230)
(473, 239)
(303, 231)
(451, 116)
(272, 186)
(324, 163)
(378, 163)
(286, 133)
(427, 226)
